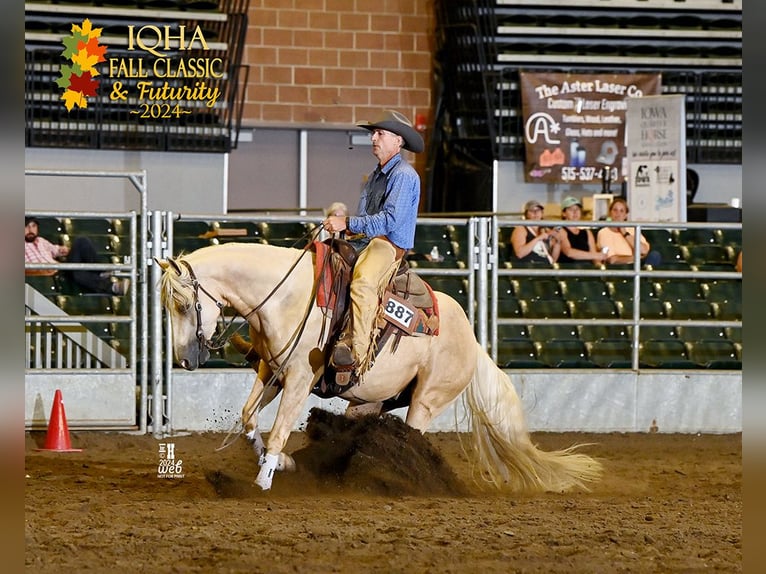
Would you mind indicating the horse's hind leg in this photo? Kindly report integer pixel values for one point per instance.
(441, 382)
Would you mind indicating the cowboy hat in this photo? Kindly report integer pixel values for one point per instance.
(397, 123)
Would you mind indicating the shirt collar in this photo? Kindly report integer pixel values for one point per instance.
(390, 164)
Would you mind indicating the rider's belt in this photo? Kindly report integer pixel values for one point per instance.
(399, 251)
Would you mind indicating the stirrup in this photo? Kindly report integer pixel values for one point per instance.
(343, 354)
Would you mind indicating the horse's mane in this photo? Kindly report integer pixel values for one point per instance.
(175, 288)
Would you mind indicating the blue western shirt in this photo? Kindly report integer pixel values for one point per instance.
(394, 208)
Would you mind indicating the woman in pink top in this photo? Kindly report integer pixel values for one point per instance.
(620, 241)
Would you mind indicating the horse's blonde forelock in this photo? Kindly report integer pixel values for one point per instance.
(176, 289)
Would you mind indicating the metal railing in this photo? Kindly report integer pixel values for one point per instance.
(638, 273)
(478, 262)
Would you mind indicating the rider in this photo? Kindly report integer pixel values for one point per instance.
(387, 215)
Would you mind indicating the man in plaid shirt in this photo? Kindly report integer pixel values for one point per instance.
(39, 250)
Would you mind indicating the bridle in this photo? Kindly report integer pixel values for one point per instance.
(202, 341)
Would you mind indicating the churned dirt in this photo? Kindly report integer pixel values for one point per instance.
(375, 496)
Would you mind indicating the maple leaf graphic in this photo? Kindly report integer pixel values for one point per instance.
(71, 98)
(85, 61)
(93, 49)
(66, 73)
(70, 44)
(86, 29)
(84, 84)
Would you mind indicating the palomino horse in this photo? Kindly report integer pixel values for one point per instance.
(272, 287)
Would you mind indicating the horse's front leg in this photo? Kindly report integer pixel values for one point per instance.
(259, 397)
(294, 396)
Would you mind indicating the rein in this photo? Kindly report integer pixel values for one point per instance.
(230, 327)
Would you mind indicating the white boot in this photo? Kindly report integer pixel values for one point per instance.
(266, 474)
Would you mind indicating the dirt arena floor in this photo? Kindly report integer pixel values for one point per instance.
(378, 498)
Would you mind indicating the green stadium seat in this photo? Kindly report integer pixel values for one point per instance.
(688, 309)
(674, 265)
(715, 354)
(508, 307)
(514, 331)
(593, 309)
(708, 254)
(671, 253)
(728, 310)
(723, 290)
(517, 354)
(657, 238)
(610, 353)
(544, 308)
(734, 334)
(591, 333)
(678, 289)
(697, 236)
(541, 333)
(574, 289)
(535, 288)
(89, 227)
(649, 309)
(565, 354)
(730, 238)
(689, 334)
(654, 332)
(438, 233)
(622, 289)
(665, 354)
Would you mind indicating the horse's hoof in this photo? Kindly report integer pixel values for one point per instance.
(266, 474)
(286, 463)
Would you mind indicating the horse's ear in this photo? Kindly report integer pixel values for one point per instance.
(162, 263)
(174, 264)
(169, 262)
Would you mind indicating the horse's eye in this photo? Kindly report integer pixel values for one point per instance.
(183, 308)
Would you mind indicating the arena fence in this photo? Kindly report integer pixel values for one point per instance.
(469, 251)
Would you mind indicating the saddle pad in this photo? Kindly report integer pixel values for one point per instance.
(323, 276)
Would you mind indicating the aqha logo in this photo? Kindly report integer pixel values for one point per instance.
(84, 52)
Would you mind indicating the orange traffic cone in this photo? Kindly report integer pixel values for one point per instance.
(57, 438)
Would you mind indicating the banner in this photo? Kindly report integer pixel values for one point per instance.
(574, 124)
(656, 136)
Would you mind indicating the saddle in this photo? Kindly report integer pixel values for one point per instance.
(408, 306)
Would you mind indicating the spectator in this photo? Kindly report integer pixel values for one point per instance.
(620, 241)
(338, 209)
(533, 243)
(39, 250)
(738, 263)
(577, 243)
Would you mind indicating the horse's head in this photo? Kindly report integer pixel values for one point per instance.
(192, 317)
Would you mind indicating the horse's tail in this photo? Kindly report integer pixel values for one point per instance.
(507, 458)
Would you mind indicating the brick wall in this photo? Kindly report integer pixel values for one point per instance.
(337, 61)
